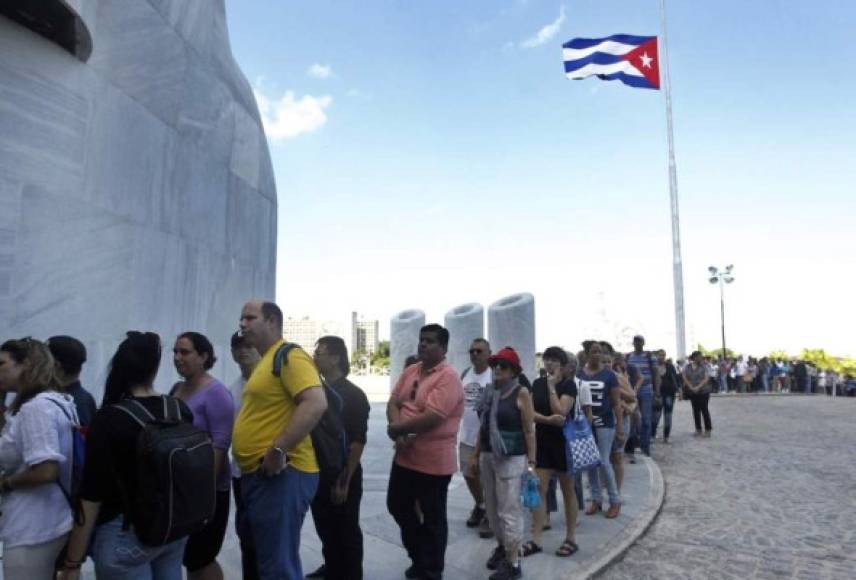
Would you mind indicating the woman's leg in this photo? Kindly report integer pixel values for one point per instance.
(566, 482)
(509, 509)
(32, 562)
(605, 437)
(487, 477)
(541, 512)
(616, 458)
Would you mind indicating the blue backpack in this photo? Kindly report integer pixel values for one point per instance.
(77, 459)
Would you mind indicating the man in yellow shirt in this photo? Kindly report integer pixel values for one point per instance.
(272, 446)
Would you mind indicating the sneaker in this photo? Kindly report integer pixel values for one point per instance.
(320, 572)
(484, 530)
(496, 558)
(706, 434)
(476, 516)
(507, 571)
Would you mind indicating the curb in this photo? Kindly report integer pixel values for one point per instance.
(616, 548)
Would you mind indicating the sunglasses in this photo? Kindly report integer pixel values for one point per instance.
(413, 390)
(501, 365)
(474, 351)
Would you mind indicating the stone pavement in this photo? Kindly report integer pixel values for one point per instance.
(771, 495)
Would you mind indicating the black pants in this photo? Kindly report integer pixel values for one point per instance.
(338, 526)
(245, 537)
(699, 403)
(425, 541)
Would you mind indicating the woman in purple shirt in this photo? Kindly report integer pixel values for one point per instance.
(213, 412)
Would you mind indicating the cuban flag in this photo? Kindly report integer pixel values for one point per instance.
(632, 60)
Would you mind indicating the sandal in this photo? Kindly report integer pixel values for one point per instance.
(593, 508)
(530, 548)
(568, 548)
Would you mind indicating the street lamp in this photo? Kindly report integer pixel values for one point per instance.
(722, 278)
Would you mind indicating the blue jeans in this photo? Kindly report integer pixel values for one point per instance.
(646, 403)
(668, 407)
(723, 383)
(604, 437)
(276, 507)
(119, 555)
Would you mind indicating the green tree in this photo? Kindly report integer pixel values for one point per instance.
(716, 353)
(380, 358)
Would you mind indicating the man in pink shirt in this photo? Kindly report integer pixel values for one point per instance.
(424, 413)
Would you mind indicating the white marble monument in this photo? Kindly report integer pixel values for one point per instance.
(136, 188)
(403, 340)
(511, 322)
(464, 323)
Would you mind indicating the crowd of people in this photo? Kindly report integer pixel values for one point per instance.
(143, 482)
(775, 375)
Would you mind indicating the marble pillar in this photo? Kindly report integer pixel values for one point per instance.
(511, 322)
(465, 323)
(403, 340)
(136, 187)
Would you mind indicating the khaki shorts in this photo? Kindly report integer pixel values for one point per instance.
(465, 455)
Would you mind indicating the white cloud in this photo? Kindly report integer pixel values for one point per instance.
(320, 71)
(287, 117)
(546, 33)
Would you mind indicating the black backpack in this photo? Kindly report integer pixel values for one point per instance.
(175, 476)
(328, 436)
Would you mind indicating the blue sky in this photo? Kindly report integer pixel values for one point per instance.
(429, 154)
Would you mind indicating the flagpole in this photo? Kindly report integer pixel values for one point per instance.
(677, 263)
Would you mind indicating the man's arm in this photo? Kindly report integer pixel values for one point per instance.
(424, 421)
(310, 405)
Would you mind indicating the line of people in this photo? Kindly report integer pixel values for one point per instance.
(490, 423)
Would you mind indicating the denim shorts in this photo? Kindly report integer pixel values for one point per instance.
(119, 555)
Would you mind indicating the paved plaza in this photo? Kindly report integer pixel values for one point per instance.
(771, 495)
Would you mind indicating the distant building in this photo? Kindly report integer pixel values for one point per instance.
(305, 331)
(365, 334)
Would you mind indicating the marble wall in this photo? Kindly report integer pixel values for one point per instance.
(136, 187)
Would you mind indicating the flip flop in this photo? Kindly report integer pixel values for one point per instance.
(568, 548)
(530, 548)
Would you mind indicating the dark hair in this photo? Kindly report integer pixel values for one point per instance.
(556, 353)
(587, 345)
(442, 333)
(411, 360)
(695, 353)
(272, 311)
(68, 352)
(606, 347)
(237, 340)
(484, 341)
(336, 346)
(202, 345)
(135, 363)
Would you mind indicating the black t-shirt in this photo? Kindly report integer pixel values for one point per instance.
(541, 402)
(355, 410)
(110, 451)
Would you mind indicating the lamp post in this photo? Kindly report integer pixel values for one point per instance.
(721, 277)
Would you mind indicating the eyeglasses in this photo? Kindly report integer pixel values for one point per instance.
(501, 365)
(413, 390)
(475, 351)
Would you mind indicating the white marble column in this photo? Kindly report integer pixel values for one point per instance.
(465, 323)
(511, 322)
(403, 340)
